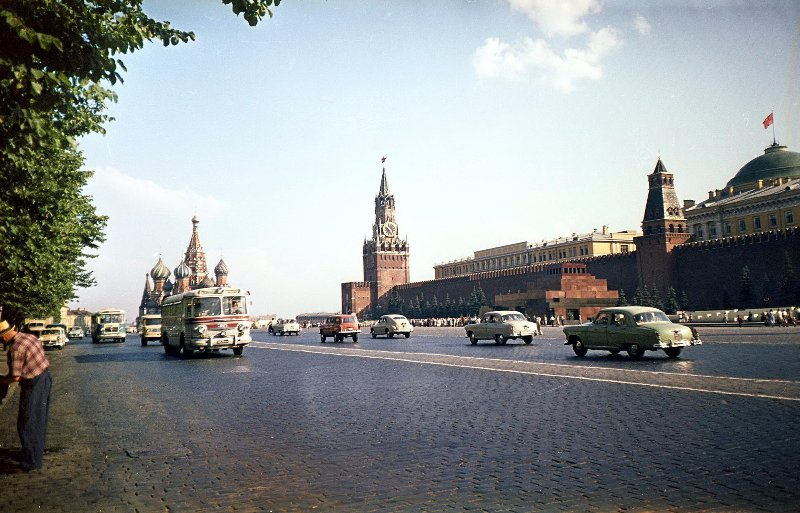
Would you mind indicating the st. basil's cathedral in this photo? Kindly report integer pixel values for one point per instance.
(190, 274)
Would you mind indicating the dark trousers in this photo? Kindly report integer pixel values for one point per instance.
(34, 403)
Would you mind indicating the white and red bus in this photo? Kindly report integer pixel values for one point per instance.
(205, 320)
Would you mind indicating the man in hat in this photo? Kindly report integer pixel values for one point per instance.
(27, 365)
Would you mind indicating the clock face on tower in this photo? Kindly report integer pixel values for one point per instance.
(390, 229)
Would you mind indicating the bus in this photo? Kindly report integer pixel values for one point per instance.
(108, 324)
(205, 320)
(150, 328)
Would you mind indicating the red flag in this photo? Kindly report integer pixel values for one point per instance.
(767, 120)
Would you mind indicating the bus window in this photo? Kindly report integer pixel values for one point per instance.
(233, 305)
(205, 306)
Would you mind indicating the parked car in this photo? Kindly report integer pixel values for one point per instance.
(53, 337)
(75, 332)
(338, 327)
(391, 325)
(500, 326)
(285, 327)
(634, 329)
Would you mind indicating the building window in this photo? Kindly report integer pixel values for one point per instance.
(698, 231)
(742, 226)
(623, 249)
(712, 230)
(773, 221)
(789, 217)
(727, 228)
(756, 223)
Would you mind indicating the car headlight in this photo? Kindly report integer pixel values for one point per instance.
(241, 327)
(201, 329)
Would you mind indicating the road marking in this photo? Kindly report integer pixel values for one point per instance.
(423, 358)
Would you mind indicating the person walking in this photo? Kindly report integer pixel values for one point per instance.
(28, 366)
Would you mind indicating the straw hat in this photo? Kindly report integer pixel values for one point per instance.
(5, 327)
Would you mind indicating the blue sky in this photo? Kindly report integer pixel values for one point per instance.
(501, 121)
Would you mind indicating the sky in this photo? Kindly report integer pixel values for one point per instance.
(501, 121)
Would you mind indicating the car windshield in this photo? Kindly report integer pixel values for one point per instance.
(107, 318)
(152, 322)
(647, 317)
(349, 318)
(50, 332)
(399, 318)
(514, 317)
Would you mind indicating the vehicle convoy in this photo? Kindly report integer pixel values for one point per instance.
(501, 326)
(53, 337)
(109, 324)
(338, 327)
(150, 328)
(391, 325)
(75, 332)
(285, 327)
(634, 329)
(209, 319)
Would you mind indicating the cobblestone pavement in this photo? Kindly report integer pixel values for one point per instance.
(425, 424)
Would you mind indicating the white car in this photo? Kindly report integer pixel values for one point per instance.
(391, 325)
(501, 326)
(53, 337)
(285, 327)
(75, 332)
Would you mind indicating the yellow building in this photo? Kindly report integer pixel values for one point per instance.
(563, 249)
(763, 196)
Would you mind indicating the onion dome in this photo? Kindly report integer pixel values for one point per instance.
(207, 282)
(221, 268)
(776, 162)
(159, 271)
(182, 271)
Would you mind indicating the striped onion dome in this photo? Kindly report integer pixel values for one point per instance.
(221, 268)
(182, 271)
(159, 271)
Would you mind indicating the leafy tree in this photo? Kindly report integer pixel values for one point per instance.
(745, 288)
(57, 61)
(637, 297)
(622, 300)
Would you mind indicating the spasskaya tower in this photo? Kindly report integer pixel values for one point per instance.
(386, 254)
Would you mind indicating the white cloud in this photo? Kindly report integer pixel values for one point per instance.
(529, 57)
(641, 24)
(558, 17)
(111, 186)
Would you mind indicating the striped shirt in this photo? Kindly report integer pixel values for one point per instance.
(26, 357)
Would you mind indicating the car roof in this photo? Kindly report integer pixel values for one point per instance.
(504, 312)
(633, 310)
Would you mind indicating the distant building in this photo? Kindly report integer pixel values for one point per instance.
(191, 273)
(520, 254)
(763, 196)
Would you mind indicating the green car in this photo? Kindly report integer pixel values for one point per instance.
(634, 329)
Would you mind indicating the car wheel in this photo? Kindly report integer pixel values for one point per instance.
(144, 342)
(499, 339)
(322, 338)
(614, 351)
(372, 333)
(528, 339)
(389, 334)
(673, 352)
(355, 339)
(237, 351)
(408, 335)
(578, 347)
(472, 338)
(338, 338)
(187, 353)
(635, 352)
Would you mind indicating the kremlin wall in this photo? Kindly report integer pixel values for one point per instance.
(697, 249)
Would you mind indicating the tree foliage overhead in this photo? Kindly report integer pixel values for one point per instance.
(58, 61)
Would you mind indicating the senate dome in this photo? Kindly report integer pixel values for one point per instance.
(776, 162)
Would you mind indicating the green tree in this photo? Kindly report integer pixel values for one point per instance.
(622, 300)
(684, 302)
(745, 288)
(671, 306)
(58, 59)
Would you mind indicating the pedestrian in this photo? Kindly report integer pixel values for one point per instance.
(28, 366)
(739, 320)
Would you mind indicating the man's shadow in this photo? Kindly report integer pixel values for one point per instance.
(9, 460)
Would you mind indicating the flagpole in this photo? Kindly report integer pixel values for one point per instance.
(772, 113)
